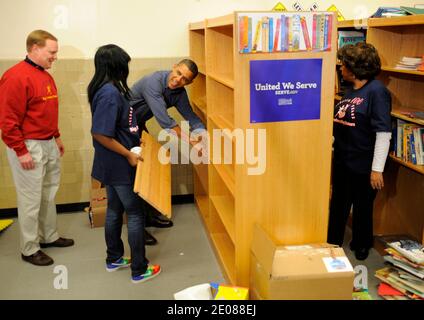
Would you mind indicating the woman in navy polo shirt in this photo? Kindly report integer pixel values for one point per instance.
(115, 132)
(362, 133)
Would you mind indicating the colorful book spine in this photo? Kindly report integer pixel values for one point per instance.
(283, 41)
(305, 33)
(249, 35)
(271, 34)
(242, 33)
(321, 31)
(257, 33)
(277, 35)
(289, 21)
(324, 45)
(314, 31)
(296, 30)
(329, 31)
(412, 146)
(265, 34)
(318, 30)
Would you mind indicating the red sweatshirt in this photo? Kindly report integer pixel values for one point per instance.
(28, 106)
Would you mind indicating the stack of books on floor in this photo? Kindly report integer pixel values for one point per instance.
(404, 277)
(411, 63)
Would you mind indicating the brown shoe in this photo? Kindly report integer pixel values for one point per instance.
(39, 259)
(61, 243)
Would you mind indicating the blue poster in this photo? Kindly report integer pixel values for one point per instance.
(285, 90)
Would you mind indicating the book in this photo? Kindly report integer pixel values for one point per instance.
(329, 31)
(283, 42)
(296, 30)
(388, 11)
(257, 33)
(414, 114)
(305, 33)
(385, 275)
(411, 10)
(249, 39)
(321, 32)
(277, 35)
(243, 34)
(314, 31)
(410, 249)
(349, 37)
(271, 34)
(265, 34)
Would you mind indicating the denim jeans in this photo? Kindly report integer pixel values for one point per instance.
(122, 198)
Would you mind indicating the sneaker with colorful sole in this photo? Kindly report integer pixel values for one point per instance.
(151, 272)
(118, 264)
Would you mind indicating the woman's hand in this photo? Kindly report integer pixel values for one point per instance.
(377, 181)
(133, 159)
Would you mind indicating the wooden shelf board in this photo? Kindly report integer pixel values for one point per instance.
(227, 175)
(396, 70)
(396, 21)
(359, 23)
(221, 122)
(226, 254)
(202, 202)
(201, 175)
(224, 205)
(197, 25)
(419, 169)
(396, 112)
(227, 20)
(224, 79)
(200, 103)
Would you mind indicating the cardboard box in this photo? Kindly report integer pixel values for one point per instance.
(98, 205)
(302, 272)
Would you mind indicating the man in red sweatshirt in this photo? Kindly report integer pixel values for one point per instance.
(29, 128)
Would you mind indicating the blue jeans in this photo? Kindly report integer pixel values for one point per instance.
(122, 198)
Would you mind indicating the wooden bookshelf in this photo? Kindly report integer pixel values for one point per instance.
(352, 24)
(398, 206)
(284, 199)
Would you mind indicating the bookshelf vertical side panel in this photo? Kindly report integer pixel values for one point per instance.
(399, 205)
(290, 200)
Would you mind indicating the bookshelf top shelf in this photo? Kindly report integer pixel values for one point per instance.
(391, 69)
(356, 23)
(197, 25)
(399, 112)
(396, 21)
(220, 21)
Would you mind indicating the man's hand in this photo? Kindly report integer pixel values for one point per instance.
(26, 161)
(60, 146)
(377, 181)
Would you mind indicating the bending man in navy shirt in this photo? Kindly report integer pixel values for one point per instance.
(152, 96)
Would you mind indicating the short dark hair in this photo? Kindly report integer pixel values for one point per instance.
(361, 59)
(191, 65)
(111, 65)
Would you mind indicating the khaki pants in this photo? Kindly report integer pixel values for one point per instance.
(36, 190)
